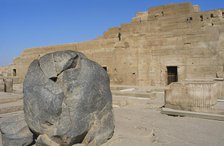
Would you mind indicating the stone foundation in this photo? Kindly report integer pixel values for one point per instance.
(195, 95)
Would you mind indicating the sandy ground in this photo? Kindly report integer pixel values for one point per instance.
(143, 125)
(139, 123)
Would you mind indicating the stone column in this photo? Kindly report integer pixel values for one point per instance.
(2, 85)
(8, 85)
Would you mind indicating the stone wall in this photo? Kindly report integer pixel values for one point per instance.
(192, 95)
(138, 53)
(6, 85)
(10, 72)
(5, 71)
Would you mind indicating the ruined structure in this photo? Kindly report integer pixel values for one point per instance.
(164, 44)
(6, 85)
(195, 95)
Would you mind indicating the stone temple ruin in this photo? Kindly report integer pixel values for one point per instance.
(170, 43)
(165, 44)
(6, 85)
(175, 46)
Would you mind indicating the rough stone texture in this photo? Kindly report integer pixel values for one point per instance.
(68, 98)
(220, 74)
(192, 95)
(220, 87)
(8, 85)
(2, 85)
(15, 132)
(44, 140)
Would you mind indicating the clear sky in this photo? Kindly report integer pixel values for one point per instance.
(32, 23)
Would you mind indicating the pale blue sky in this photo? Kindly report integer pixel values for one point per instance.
(32, 23)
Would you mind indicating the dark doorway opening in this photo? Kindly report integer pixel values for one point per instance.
(105, 68)
(172, 74)
(201, 18)
(14, 72)
(119, 36)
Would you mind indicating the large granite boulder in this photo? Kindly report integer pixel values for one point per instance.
(15, 132)
(68, 99)
(44, 140)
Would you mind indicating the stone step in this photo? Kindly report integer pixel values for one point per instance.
(137, 91)
(140, 94)
(122, 101)
(118, 87)
(211, 116)
(132, 94)
(146, 89)
(11, 107)
(9, 97)
(8, 100)
(7, 115)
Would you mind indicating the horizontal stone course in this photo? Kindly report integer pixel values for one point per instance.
(156, 37)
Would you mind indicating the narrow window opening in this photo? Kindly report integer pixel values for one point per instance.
(191, 18)
(201, 17)
(162, 13)
(172, 74)
(4, 85)
(212, 16)
(14, 72)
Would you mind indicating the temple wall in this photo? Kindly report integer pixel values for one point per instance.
(171, 35)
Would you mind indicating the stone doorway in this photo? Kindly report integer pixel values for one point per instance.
(172, 74)
(14, 72)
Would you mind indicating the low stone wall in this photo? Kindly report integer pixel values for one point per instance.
(6, 85)
(192, 95)
(220, 83)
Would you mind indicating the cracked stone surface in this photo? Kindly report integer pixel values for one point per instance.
(68, 99)
(15, 132)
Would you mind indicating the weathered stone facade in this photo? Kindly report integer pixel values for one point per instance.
(194, 95)
(6, 85)
(175, 38)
